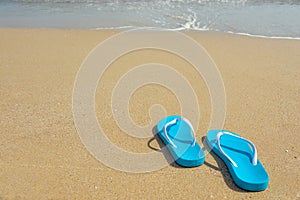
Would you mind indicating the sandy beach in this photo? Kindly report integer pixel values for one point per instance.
(42, 156)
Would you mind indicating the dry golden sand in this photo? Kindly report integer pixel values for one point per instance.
(42, 157)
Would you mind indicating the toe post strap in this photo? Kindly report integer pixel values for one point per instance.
(254, 150)
(173, 122)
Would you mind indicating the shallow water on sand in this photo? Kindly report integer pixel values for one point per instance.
(270, 18)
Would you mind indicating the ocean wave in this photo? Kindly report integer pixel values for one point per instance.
(127, 28)
(162, 1)
(269, 18)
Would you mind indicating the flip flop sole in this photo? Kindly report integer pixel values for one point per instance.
(185, 154)
(246, 176)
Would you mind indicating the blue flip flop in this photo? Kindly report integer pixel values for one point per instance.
(178, 135)
(240, 156)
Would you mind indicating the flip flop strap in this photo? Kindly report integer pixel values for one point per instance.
(174, 121)
(254, 158)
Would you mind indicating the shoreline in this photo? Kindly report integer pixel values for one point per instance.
(128, 28)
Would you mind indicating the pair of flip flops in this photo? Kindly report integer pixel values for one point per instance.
(239, 154)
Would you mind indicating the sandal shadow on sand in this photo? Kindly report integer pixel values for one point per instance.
(240, 156)
(178, 135)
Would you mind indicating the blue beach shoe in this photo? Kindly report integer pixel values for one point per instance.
(178, 135)
(240, 156)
